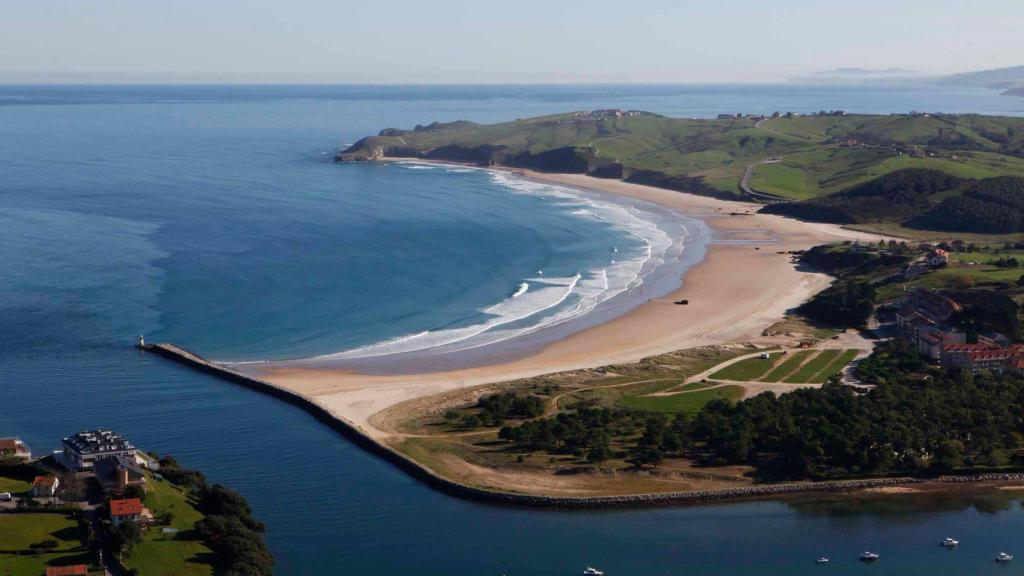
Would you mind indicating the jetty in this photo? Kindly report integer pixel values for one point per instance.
(431, 478)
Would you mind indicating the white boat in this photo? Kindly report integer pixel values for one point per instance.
(1004, 558)
(949, 543)
(822, 560)
(868, 556)
(592, 572)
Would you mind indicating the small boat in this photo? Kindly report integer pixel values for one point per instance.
(1003, 558)
(868, 556)
(592, 572)
(949, 543)
(822, 560)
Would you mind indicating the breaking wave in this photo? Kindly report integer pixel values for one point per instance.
(540, 302)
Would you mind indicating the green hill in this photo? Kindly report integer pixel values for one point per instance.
(922, 199)
(816, 155)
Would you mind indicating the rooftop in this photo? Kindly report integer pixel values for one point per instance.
(98, 442)
(46, 481)
(12, 445)
(127, 507)
(73, 570)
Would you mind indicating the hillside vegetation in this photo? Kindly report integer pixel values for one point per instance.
(818, 154)
(922, 199)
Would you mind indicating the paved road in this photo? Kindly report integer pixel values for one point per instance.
(745, 181)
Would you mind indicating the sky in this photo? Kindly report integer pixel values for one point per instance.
(497, 41)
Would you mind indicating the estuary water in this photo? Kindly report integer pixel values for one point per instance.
(214, 217)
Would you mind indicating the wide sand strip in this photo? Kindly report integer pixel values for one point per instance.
(734, 294)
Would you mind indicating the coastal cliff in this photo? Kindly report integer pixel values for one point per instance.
(729, 157)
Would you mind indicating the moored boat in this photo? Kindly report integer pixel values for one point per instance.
(949, 543)
(822, 560)
(868, 556)
(1003, 558)
(592, 572)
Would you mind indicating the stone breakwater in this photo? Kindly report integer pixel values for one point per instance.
(431, 478)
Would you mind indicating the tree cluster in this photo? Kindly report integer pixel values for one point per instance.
(847, 302)
(228, 526)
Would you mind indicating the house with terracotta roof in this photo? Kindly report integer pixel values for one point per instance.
(976, 358)
(44, 486)
(73, 570)
(126, 510)
(938, 257)
(923, 321)
(15, 447)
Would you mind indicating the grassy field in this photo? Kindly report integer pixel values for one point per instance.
(14, 485)
(687, 403)
(783, 180)
(35, 565)
(958, 276)
(812, 367)
(19, 531)
(836, 365)
(749, 369)
(162, 554)
(789, 365)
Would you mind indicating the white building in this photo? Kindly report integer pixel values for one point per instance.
(83, 449)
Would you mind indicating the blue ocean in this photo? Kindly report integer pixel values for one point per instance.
(215, 217)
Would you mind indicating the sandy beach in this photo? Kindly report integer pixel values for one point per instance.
(736, 292)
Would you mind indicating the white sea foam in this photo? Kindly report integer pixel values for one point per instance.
(542, 301)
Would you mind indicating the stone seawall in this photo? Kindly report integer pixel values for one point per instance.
(417, 470)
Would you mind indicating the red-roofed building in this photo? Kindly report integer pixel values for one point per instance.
(127, 510)
(14, 447)
(44, 486)
(977, 357)
(73, 570)
(938, 257)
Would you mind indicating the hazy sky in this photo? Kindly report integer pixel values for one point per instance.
(486, 41)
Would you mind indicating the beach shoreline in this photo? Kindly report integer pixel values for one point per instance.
(737, 290)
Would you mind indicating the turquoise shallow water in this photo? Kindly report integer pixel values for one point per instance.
(214, 217)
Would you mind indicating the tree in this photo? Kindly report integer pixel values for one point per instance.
(647, 455)
(470, 421)
(950, 455)
(601, 451)
(122, 538)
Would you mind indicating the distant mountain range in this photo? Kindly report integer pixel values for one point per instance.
(1010, 79)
